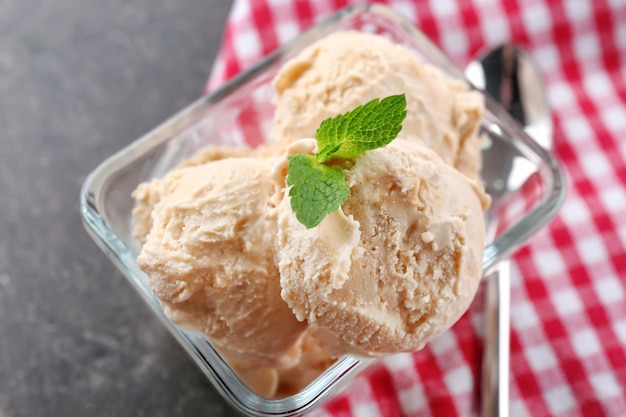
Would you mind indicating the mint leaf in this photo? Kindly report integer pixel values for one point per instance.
(316, 189)
(370, 126)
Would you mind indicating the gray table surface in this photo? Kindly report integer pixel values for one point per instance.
(78, 81)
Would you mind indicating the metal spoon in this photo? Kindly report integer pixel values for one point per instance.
(509, 74)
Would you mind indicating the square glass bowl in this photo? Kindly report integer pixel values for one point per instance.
(241, 113)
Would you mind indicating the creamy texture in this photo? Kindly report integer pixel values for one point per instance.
(348, 69)
(147, 194)
(394, 267)
(210, 257)
(279, 382)
(313, 361)
(397, 264)
(259, 378)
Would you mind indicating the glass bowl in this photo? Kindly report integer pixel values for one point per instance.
(241, 113)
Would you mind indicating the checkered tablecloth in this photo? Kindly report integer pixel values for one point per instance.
(568, 313)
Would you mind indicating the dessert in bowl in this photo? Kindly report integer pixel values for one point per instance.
(232, 137)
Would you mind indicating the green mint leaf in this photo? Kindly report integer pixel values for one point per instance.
(316, 189)
(370, 126)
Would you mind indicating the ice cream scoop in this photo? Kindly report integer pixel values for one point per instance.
(347, 69)
(397, 264)
(210, 257)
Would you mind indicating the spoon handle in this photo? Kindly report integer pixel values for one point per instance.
(495, 381)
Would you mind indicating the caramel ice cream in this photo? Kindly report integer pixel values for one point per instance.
(147, 194)
(394, 267)
(347, 69)
(397, 264)
(314, 359)
(210, 257)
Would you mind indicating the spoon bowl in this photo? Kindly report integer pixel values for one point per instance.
(510, 75)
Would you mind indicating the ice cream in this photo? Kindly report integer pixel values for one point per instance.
(147, 194)
(347, 69)
(398, 263)
(314, 359)
(210, 257)
(395, 266)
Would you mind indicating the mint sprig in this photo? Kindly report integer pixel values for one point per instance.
(318, 189)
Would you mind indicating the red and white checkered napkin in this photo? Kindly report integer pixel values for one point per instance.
(568, 314)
